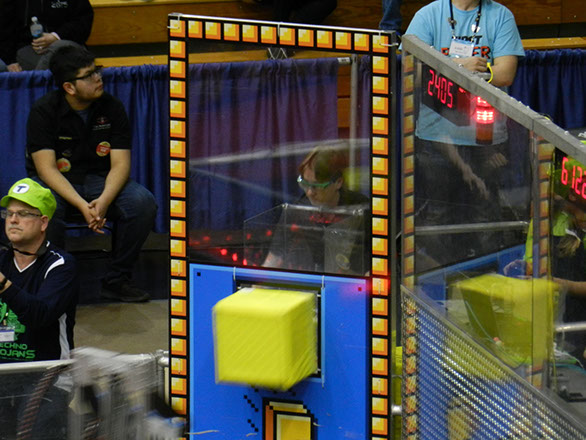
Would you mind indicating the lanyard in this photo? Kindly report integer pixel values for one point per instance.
(453, 22)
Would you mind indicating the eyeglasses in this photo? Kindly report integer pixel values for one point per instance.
(95, 73)
(21, 214)
(305, 184)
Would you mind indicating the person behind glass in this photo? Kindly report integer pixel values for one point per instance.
(64, 23)
(78, 145)
(457, 176)
(322, 181)
(392, 19)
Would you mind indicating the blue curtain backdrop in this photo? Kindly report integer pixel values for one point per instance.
(246, 121)
(552, 82)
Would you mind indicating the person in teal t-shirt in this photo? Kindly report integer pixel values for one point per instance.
(458, 178)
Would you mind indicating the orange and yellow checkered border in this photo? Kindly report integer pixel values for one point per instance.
(373, 43)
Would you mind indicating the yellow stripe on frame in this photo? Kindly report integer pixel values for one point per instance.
(380, 286)
(178, 268)
(177, 89)
(379, 226)
(231, 32)
(380, 166)
(343, 40)
(195, 29)
(361, 42)
(213, 30)
(324, 39)
(178, 248)
(177, 128)
(179, 405)
(380, 406)
(177, 188)
(380, 206)
(380, 65)
(177, 48)
(177, 168)
(380, 145)
(380, 246)
(178, 307)
(178, 347)
(177, 69)
(177, 28)
(380, 186)
(178, 327)
(177, 109)
(177, 149)
(178, 366)
(380, 347)
(177, 208)
(306, 37)
(177, 228)
(380, 306)
(179, 288)
(250, 33)
(178, 386)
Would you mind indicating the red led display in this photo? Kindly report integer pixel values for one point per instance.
(445, 97)
(574, 176)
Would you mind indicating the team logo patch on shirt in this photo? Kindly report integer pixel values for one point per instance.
(63, 165)
(102, 123)
(103, 148)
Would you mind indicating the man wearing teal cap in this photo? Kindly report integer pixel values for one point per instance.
(38, 282)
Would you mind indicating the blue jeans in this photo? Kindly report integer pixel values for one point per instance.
(132, 212)
(391, 20)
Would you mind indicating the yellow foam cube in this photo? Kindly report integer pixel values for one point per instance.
(512, 317)
(265, 337)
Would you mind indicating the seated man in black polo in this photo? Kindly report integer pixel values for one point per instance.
(78, 145)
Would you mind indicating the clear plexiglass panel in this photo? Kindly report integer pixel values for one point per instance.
(264, 133)
(489, 195)
(493, 223)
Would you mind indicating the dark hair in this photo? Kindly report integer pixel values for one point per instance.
(67, 61)
(327, 163)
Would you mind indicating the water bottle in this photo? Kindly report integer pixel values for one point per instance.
(36, 28)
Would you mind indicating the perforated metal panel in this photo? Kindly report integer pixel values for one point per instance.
(454, 389)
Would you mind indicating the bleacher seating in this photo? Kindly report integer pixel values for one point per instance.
(119, 22)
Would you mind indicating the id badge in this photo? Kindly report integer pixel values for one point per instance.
(6, 334)
(461, 48)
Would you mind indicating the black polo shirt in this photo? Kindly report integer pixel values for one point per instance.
(81, 147)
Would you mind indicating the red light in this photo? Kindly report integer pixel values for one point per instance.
(485, 116)
(248, 236)
(269, 232)
(224, 252)
(228, 237)
(234, 257)
(481, 102)
(245, 262)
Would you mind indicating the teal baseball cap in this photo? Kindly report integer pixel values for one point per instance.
(30, 192)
